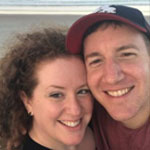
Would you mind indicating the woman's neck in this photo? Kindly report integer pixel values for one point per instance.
(86, 143)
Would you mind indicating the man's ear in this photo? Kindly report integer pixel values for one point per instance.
(27, 102)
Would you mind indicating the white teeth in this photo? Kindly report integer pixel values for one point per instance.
(119, 92)
(71, 123)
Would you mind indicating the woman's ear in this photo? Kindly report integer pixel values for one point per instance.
(27, 102)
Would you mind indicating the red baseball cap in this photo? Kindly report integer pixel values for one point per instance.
(125, 14)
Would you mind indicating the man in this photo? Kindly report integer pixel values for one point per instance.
(115, 44)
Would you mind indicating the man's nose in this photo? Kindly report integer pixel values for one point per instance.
(112, 72)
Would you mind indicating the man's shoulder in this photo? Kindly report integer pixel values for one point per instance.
(99, 109)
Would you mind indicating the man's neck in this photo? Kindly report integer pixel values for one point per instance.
(139, 119)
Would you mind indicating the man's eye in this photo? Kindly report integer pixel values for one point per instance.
(128, 55)
(95, 62)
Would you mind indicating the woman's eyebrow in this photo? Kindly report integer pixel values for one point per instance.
(55, 86)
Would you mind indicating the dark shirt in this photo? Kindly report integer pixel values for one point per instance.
(30, 144)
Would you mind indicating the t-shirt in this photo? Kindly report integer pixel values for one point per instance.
(30, 144)
(112, 135)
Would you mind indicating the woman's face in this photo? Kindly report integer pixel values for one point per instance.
(61, 103)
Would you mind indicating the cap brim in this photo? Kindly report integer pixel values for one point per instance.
(76, 32)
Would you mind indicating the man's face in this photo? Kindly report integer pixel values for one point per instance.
(118, 68)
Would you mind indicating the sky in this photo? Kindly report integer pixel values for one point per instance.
(71, 2)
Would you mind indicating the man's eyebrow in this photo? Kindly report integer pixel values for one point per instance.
(92, 55)
(124, 47)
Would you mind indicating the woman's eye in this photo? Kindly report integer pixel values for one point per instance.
(56, 95)
(83, 92)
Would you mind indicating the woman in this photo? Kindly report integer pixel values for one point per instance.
(45, 102)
